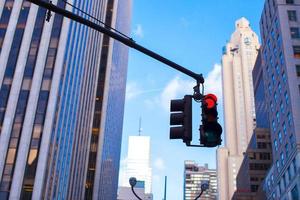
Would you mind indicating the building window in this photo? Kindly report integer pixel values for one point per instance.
(295, 34)
(280, 137)
(273, 125)
(289, 118)
(273, 34)
(254, 188)
(277, 69)
(281, 107)
(284, 128)
(295, 193)
(298, 70)
(283, 77)
(292, 140)
(287, 150)
(279, 41)
(261, 145)
(271, 61)
(289, 1)
(275, 145)
(272, 178)
(292, 15)
(286, 96)
(277, 165)
(296, 50)
(277, 116)
(272, 106)
(282, 158)
(281, 59)
(295, 165)
(273, 79)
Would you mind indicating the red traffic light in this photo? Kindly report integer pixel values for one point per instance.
(210, 100)
(210, 130)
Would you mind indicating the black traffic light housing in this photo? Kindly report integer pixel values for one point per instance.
(210, 130)
(181, 119)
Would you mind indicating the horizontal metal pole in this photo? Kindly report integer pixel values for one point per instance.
(198, 77)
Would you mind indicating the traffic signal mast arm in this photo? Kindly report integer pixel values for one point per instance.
(127, 41)
(181, 116)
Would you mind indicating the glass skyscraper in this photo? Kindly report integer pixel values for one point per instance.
(62, 89)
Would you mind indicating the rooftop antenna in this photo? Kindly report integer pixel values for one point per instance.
(140, 126)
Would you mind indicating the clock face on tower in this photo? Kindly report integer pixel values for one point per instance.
(247, 41)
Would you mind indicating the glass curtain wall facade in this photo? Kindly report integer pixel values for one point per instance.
(48, 100)
(105, 142)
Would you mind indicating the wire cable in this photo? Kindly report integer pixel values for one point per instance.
(89, 15)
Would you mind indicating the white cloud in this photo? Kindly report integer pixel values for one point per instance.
(138, 31)
(213, 82)
(132, 90)
(177, 88)
(159, 164)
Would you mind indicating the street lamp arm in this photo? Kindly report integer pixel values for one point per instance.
(135, 193)
(199, 195)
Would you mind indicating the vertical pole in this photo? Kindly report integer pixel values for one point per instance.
(165, 193)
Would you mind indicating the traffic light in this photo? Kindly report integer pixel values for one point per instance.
(210, 130)
(181, 119)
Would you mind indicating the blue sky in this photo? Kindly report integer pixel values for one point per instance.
(192, 34)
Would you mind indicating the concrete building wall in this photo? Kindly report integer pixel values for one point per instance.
(279, 24)
(256, 163)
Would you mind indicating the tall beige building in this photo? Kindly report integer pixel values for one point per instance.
(238, 60)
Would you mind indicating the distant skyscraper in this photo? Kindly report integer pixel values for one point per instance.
(239, 114)
(62, 89)
(194, 175)
(138, 161)
(280, 33)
